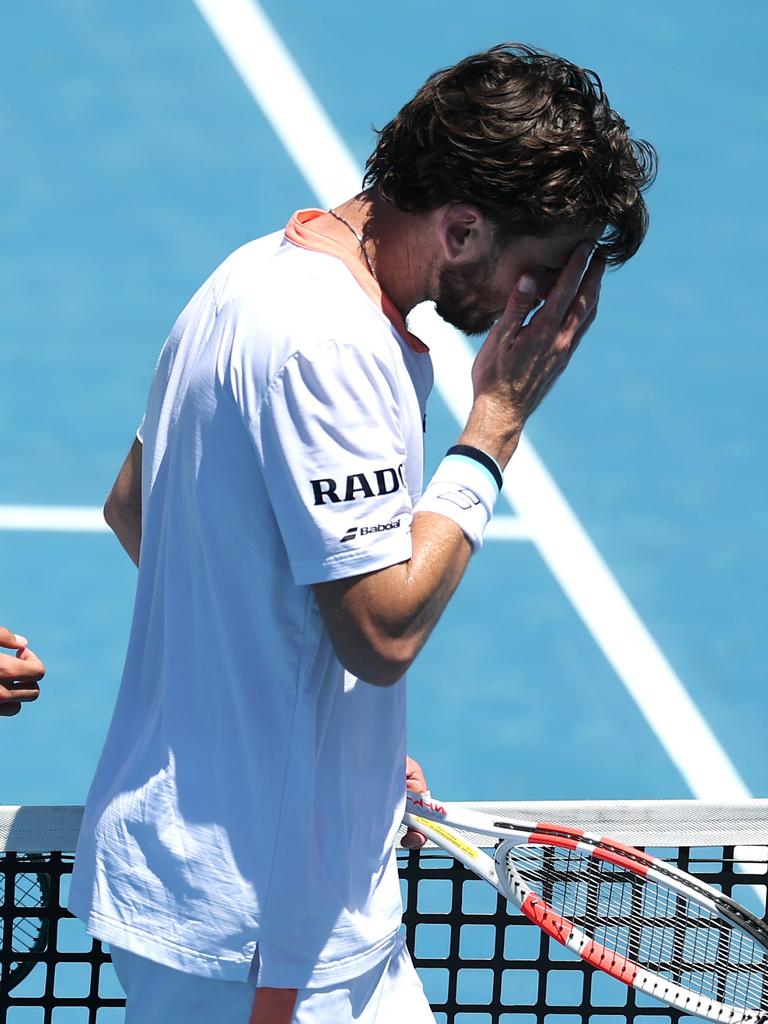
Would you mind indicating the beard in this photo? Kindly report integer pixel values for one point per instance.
(463, 299)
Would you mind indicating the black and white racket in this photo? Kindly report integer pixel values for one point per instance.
(644, 922)
(25, 920)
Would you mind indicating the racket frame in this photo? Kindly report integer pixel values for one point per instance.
(458, 816)
(439, 822)
(19, 969)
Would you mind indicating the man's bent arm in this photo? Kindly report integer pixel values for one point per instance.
(379, 622)
(122, 509)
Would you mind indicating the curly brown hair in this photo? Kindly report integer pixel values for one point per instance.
(528, 137)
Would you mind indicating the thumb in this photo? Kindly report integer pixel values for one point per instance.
(9, 639)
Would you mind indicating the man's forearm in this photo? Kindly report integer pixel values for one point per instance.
(378, 623)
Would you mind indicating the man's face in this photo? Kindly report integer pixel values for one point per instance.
(472, 296)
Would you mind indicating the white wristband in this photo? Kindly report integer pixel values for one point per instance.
(463, 490)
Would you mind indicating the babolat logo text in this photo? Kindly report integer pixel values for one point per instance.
(363, 531)
(358, 485)
(461, 496)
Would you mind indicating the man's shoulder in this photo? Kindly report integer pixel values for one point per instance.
(245, 270)
(272, 287)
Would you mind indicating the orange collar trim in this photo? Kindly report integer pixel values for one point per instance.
(298, 231)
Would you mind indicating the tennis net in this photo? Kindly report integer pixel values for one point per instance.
(481, 962)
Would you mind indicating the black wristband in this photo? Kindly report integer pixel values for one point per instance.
(479, 456)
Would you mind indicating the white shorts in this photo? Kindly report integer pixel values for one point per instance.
(389, 993)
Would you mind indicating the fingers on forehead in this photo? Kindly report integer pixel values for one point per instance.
(569, 281)
(596, 268)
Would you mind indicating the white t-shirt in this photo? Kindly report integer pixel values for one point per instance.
(249, 791)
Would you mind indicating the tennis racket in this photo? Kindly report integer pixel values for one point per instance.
(646, 923)
(25, 923)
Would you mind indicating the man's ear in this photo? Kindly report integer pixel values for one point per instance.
(464, 233)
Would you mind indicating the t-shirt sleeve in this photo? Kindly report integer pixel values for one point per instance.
(333, 455)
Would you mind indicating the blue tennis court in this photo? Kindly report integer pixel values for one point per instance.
(629, 567)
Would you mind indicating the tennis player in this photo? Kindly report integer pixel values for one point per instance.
(20, 674)
(237, 845)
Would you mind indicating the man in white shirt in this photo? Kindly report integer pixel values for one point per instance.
(239, 834)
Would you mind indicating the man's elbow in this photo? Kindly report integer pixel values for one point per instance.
(113, 511)
(119, 513)
(109, 512)
(371, 640)
(380, 661)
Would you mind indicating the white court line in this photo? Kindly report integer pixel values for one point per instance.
(86, 519)
(507, 528)
(53, 518)
(580, 570)
(278, 86)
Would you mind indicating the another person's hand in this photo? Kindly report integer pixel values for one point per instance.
(415, 781)
(19, 673)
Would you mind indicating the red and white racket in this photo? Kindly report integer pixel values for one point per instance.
(644, 922)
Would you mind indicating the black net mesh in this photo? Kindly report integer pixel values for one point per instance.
(480, 962)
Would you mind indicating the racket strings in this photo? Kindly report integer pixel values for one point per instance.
(653, 925)
(25, 902)
(29, 896)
